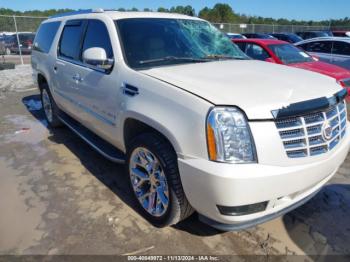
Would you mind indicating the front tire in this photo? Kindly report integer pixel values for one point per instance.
(155, 180)
(49, 106)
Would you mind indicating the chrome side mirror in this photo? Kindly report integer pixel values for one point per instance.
(96, 56)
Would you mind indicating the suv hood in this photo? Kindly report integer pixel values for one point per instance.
(254, 86)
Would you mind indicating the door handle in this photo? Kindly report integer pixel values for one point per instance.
(77, 78)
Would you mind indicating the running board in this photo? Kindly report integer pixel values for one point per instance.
(97, 143)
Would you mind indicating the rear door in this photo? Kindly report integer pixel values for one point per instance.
(341, 54)
(67, 66)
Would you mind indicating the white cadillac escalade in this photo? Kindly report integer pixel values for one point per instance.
(200, 126)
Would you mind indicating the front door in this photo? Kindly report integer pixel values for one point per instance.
(99, 91)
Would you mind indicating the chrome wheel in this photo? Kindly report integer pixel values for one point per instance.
(47, 105)
(149, 182)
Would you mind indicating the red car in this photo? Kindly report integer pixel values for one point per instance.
(280, 52)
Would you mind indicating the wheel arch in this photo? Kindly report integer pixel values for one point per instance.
(136, 125)
(41, 80)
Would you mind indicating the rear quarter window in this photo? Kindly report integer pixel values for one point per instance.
(45, 35)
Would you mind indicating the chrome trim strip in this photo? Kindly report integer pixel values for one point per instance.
(113, 159)
(79, 63)
(86, 109)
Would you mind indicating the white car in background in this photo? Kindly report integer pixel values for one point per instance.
(333, 50)
(199, 125)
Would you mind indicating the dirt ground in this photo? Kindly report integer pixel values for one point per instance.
(58, 196)
(17, 59)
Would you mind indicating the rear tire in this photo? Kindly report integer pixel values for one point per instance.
(49, 106)
(151, 157)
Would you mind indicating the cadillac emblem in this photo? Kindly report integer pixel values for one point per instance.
(327, 131)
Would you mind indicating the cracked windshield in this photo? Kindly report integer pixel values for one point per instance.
(170, 41)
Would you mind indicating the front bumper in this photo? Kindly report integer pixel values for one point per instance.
(257, 221)
(208, 184)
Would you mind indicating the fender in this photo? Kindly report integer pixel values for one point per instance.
(151, 123)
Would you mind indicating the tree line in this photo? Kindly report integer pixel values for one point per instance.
(220, 13)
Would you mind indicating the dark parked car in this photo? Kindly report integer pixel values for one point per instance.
(288, 37)
(314, 34)
(258, 36)
(25, 40)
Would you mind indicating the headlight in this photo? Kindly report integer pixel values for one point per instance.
(229, 137)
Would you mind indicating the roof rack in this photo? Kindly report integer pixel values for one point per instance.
(79, 12)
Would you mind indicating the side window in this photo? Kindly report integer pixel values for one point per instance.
(45, 35)
(69, 46)
(341, 48)
(304, 47)
(320, 47)
(97, 36)
(256, 52)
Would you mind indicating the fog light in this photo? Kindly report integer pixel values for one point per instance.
(242, 210)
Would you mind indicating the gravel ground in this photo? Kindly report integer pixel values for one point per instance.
(58, 196)
(18, 79)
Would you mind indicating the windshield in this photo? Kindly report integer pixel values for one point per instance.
(290, 54)
(158, 41)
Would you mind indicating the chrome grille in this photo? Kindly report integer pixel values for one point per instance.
(303, 136)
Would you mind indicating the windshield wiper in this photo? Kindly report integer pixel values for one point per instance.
(216, 56)
(173, 58)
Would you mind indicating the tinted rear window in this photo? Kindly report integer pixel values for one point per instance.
(70, 40)
(45, 36)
